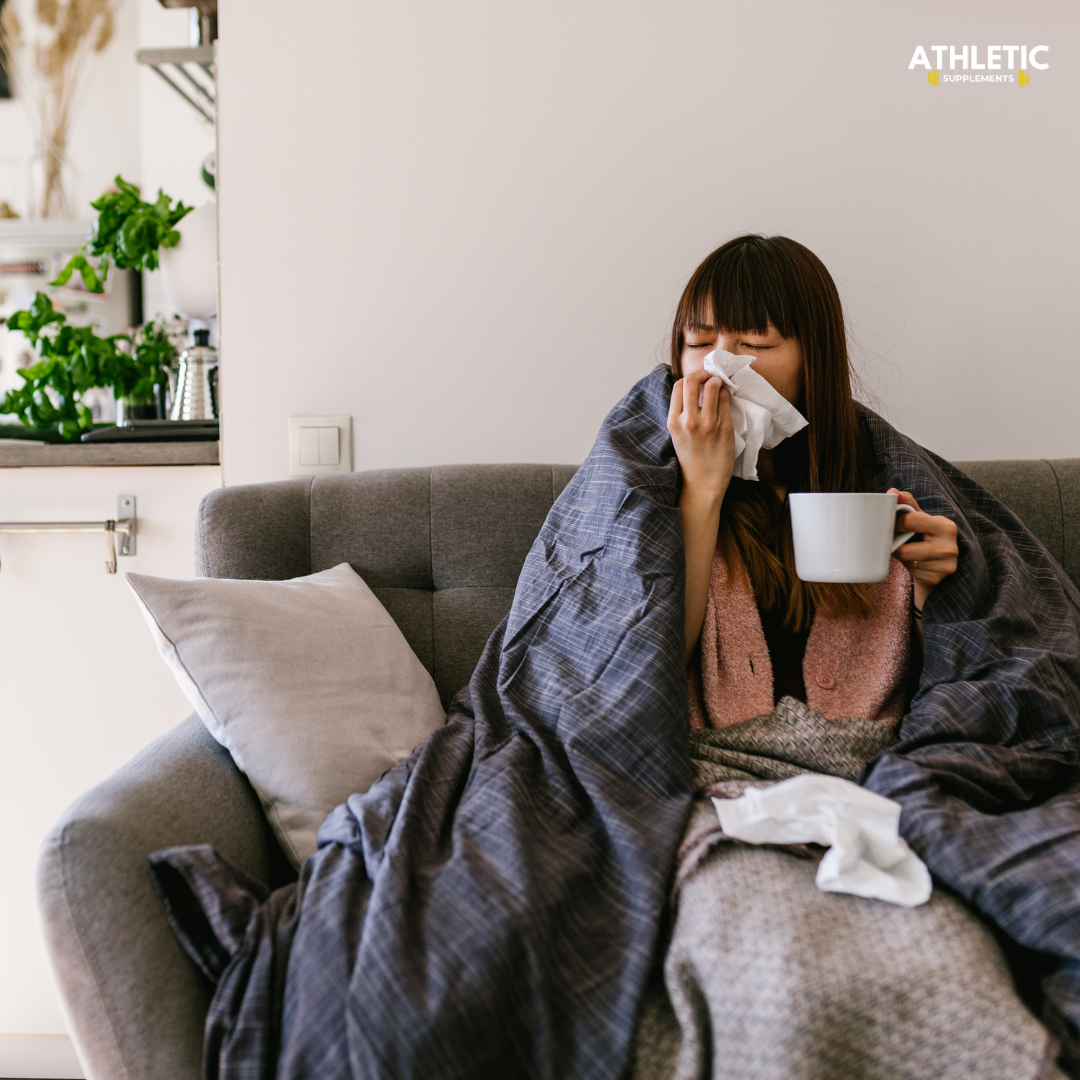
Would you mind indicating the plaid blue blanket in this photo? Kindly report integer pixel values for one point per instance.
(491, 906)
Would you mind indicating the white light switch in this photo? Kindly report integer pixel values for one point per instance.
(329, 441)
(309, 445)
(320, 444)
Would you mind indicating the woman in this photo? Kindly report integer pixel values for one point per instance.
(773, 299)
(765, 975)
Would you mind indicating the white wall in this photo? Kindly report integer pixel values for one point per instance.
(468, 224)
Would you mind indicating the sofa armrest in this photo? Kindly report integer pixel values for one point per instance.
(134, 1003)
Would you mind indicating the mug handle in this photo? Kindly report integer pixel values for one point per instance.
(904, 537)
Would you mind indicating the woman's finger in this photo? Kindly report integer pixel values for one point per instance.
(689, 397)
(904, 498)
(932, 527)
(692, 385)
(922, 551)
(917, 522)
(710, 400)
(723, 401)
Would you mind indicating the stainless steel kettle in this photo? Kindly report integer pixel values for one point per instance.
(195, 397)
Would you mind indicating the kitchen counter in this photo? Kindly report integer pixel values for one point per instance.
(84, 688)
(19, 454)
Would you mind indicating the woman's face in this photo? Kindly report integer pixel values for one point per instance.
(777, 359)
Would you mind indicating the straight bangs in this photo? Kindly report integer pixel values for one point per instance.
(742, 287)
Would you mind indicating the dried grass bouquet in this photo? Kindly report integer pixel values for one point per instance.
(48, 52)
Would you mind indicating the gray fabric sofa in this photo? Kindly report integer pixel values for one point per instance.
(442, 549)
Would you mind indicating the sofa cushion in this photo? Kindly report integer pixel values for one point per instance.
(309, 683)
(1031, 491)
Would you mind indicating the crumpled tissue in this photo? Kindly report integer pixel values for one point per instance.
(762, 416)
(866, 856)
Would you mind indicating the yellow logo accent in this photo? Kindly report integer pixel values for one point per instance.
(932, 77)
(1022, 78)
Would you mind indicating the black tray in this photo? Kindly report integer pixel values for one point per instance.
(156, 431)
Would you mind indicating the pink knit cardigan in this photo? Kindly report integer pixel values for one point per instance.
(853, 667)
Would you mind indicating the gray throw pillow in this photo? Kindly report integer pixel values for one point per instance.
(308, 683)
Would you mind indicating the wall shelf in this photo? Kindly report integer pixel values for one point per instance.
(19, 454)
(190, 72)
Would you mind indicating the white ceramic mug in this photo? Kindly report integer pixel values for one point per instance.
(845, 536)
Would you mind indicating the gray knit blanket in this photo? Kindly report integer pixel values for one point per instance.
(768, 978)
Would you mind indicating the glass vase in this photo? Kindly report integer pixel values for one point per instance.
(50, 181)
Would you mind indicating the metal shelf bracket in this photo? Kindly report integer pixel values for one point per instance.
(190, 72)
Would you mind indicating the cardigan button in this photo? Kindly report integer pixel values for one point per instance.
(826, 682)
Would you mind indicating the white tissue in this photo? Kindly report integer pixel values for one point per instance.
(866, 856)
(762, 416)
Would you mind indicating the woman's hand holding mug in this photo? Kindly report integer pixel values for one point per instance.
(931, 559)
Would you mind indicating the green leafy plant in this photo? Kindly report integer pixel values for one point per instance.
(128, 233)
(152, 354)
(73, 360)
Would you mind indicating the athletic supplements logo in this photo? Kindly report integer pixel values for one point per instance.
(967, 57)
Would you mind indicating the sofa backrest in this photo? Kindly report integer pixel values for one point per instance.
(442, 547)
(1044, 495)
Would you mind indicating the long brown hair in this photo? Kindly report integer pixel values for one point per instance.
(742, 287)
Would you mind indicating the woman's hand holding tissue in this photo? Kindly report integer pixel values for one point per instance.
(699, 420)
(933, 557)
